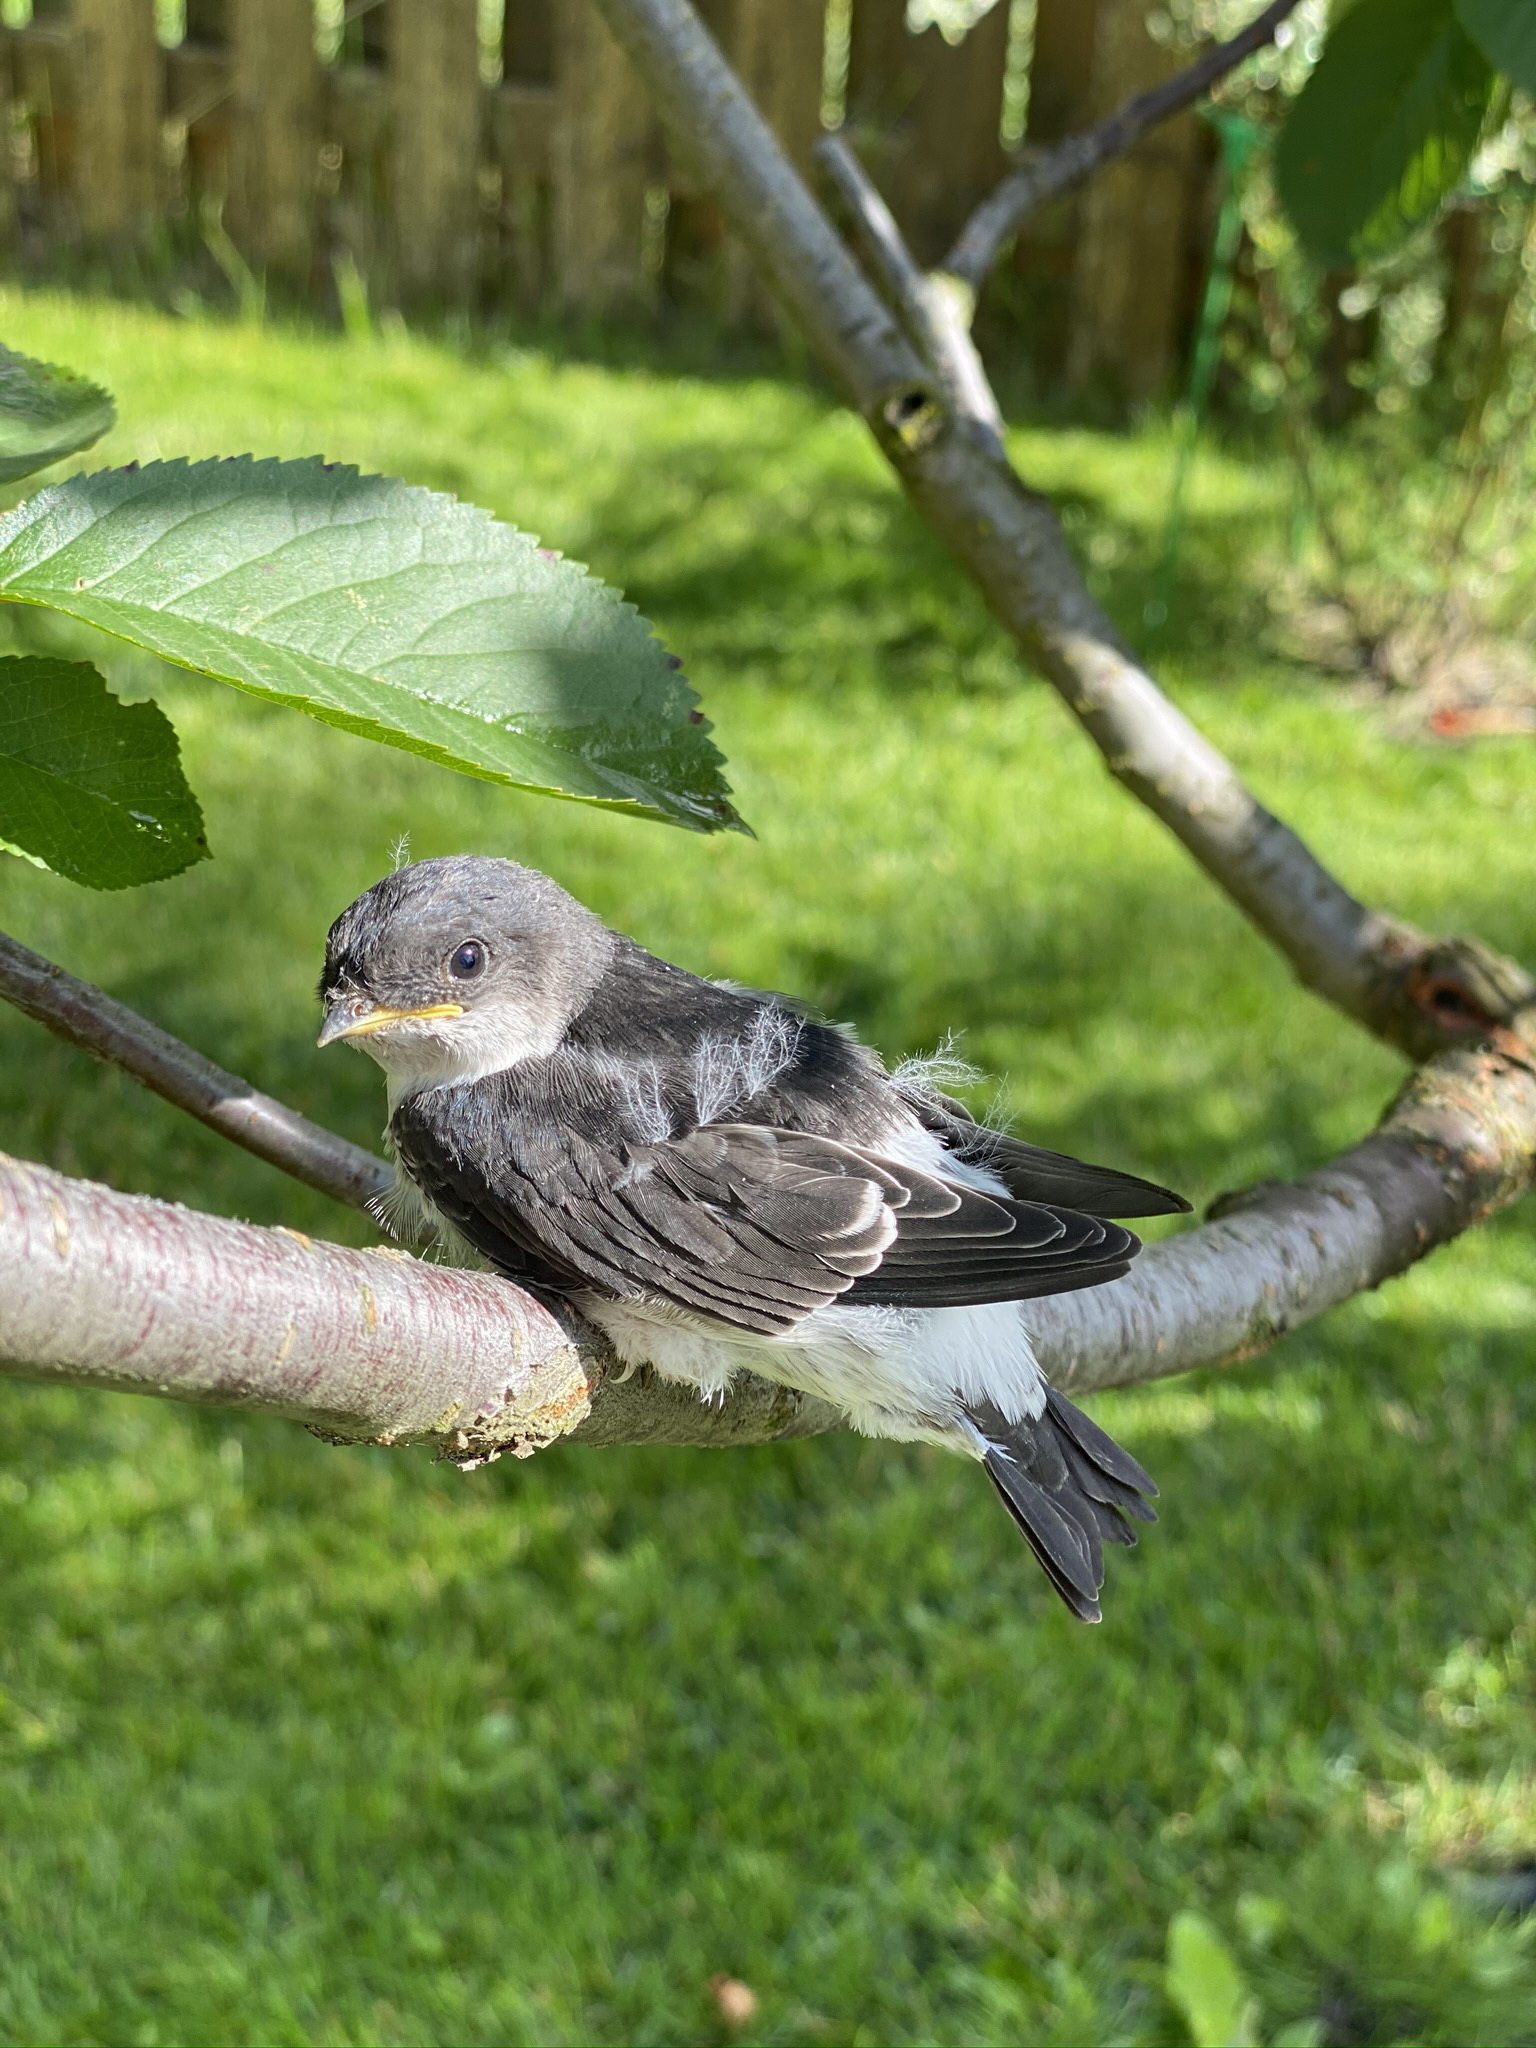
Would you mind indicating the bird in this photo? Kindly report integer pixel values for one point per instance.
(720, 1180)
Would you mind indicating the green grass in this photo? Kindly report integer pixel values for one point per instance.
(303, 1745)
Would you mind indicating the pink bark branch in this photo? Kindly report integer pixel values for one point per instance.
(107, 1290)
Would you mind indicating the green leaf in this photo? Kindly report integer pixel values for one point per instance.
(1384, 128)
(382, 609)
(45, 413)
(1203, 1980)
(1505, 32)
(89, 786)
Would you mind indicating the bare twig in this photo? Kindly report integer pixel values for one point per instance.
(1059, 168)
(1376, 968)
(936, 310)
(84, 1016)
(110, 1290)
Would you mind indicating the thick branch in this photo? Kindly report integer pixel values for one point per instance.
(1457, 1144)
(106, 1290)
(99, 1024)
(109, 1290)
(1375, 968)
(1069, 163)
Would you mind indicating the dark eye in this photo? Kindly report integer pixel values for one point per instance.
(468, 961)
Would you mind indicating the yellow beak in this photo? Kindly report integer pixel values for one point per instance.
(347, 1022)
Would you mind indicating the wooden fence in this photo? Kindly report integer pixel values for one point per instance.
(452, 152)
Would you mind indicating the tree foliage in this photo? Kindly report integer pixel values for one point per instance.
(89, 786)
(45, 413)
(390, 611)
(1386, 127)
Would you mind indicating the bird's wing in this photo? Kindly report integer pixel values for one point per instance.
(1032, 1174)
(754, 1226)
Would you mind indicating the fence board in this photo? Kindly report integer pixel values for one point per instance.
(355, 123)
(275, 134)
(1061, 103)
(605, 147)
(117, 170)
(205, 58)
(1061, 69)
(1130, 277)
(776, 48)
(881, 71)
(528, 42)
(522, 134)
(954, 153)
(433, 62)
(43, 69)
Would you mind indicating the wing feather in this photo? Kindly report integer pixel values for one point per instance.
(1033, 1174)
(751, 1225)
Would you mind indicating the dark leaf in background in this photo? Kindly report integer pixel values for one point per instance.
(89, 786)
(1505, 32)
(386, 610)
(1384, 128)
(45, 413)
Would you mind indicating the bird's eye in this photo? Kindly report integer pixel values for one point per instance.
(468, 961)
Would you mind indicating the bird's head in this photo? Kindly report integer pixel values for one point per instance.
(451, 969)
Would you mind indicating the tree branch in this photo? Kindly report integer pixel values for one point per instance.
(935, 310)
(118, 1291)
(1055, 170)
(1416, 993)
(97, 1023)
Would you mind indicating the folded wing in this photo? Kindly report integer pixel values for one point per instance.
(1035, 1175)
(751, 1225)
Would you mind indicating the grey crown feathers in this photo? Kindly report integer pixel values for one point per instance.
(720, 1181)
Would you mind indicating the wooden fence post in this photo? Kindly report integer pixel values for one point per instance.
(925, 115)
(1131, 274)
(954, 151)
(603, 140)
(524, 109)
(117, 166)
(777, 51)
(203, 65)
(276, 136)
(1061, 103)
(881, 80)
(434, 197)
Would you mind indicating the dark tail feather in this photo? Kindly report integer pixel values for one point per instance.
(1069, 1487)
(1061, 1543)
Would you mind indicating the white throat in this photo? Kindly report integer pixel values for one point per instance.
(449, 1052)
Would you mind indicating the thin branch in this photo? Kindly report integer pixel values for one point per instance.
(1057, 169)
(1375, 968)
(118, 1291)
(84, 1016)
(936, 311)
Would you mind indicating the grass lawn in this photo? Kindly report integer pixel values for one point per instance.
(301, 1745)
